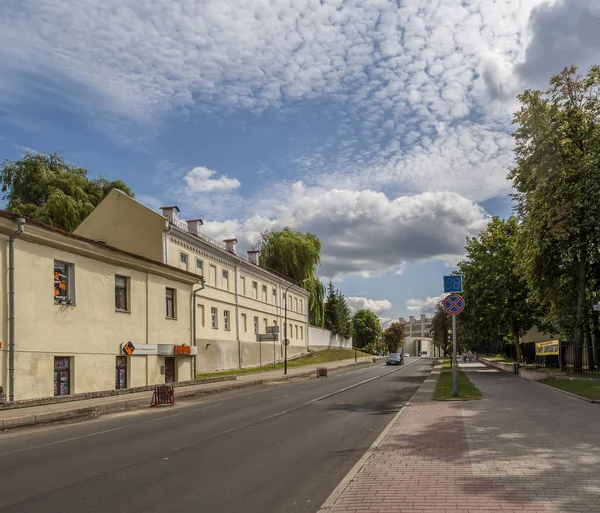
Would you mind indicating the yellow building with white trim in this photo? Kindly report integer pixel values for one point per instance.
(240, 300)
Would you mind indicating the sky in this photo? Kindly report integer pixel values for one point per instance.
(382, 126)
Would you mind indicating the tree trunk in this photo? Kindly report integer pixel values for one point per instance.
(589, 356)
(517, 345)
(595, 339)
(580, 313)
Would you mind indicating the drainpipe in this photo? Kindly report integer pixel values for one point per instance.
(194, 309)
(11, 307)
(237, 314)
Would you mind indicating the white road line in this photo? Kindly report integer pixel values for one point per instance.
(280, 397)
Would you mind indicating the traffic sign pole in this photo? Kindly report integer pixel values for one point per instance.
(454, 359)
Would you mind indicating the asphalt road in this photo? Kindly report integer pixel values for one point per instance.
(277, 448)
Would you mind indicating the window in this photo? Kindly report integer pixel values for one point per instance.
(289, 302)
(256, 325)
(244, 323)
(243, 285)
(201, 315)
(213, 275)
(64, 283)
(183, 260)
(171, 303)
(266, 323)
(226, 324)
(295, 304)
(301, 307)
(296, 331)
(290, 332)
(301, 332)
(122, 293)
(62, 375)
(274, 296)
(264, 293)
(121, 373)
(199, 266)
(225, 280)
(214, 318)
(254, 290)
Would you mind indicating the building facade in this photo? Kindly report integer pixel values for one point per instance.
(241, 301)
(418, 335)
(89, 317)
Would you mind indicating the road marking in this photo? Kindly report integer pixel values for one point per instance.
(280, 397)
(179, 414)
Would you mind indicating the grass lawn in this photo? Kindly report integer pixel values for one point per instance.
(327, 355)
(587, 389)
(499, 358)
(443, 389)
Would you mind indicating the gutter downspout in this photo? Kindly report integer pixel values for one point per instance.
(237, 314)
(11, 307)
(194, 308)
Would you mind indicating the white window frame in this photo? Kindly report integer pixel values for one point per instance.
(127, 289)
(200, 265)
(255, 325)
(255, 290)
(225, 280)
(226, 320)
(213, 275)
(214, 317)
(184, 258)
(69, 269)
(265, 294)
(174, 299)
(245, 323)
(243, 285)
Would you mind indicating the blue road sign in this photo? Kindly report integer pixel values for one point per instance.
(454, 304)
(453, 284)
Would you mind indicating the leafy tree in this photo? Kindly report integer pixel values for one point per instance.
(296, 255)
(393, 337)
(496, 293)
(442, 324)
(48, 189)
(367, 330)
(338, 317)
(557, 179)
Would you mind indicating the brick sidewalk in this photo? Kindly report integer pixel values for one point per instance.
(499, 454)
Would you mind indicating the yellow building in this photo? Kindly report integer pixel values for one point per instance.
(89, 317)
(241, 302)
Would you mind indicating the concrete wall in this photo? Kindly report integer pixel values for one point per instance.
(91, 331)
(323, 339)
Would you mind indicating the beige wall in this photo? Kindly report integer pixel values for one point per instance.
(124, 223)
(92, 331)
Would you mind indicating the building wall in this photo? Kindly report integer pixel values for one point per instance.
(319, 338)
(91, 332)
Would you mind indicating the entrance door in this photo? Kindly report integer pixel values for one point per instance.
(169, 369)
(62, 375)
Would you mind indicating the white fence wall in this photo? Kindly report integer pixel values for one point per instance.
(323, 339)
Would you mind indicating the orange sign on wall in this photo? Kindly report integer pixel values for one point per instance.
(182, 350)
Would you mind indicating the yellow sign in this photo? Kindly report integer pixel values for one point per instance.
(550, 348)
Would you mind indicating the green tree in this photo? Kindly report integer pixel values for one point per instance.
(557, 179)
(393, 337)
(441, 324)
(496, 294)
(338, 317)
(297, 256)
(367, 330)
(48, 189)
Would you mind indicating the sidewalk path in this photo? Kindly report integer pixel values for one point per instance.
(17, 417)
(522, 449)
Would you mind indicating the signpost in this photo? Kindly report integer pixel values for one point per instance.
(454, 304)
(453, 284)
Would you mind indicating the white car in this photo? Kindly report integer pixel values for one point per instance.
(406, 355)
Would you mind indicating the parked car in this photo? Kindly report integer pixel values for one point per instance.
(395, 359)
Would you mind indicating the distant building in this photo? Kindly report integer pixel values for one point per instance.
(418, 336)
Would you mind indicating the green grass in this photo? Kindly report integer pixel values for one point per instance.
(499, 358)
(587, 389)
(327, 355)
(443, 389)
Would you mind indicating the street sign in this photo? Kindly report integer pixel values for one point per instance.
(267, 338)
(286, 342)
(454, 304)
(453, 284)
(272, 330)
(596, 308)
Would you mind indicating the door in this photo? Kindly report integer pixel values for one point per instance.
(62, 375)
(169, 369)
(121, 373)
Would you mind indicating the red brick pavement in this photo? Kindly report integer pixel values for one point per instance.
(422, 465)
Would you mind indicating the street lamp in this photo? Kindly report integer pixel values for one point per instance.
(285, 323)
(382, 346)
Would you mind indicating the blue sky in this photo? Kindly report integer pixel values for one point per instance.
(383, 126)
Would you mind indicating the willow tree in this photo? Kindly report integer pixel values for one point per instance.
(297, 256)
(48, 189)
(557, 179)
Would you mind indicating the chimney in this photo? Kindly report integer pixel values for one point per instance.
(253, 256)
(170, 213)
(230, 245)
(412, 319)
(423, 317)
(194, 226)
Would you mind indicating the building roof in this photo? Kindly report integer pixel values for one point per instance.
(11, 215)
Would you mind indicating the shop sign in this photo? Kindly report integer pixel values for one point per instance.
(139, 349)
(551, 348)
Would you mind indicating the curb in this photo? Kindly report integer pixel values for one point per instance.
(591, 401)
(341, 487)
(142, 403)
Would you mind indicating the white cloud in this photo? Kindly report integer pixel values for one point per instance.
(426, 306)
(200, 179)
(375, 305)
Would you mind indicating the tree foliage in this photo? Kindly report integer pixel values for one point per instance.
(367, 330)
(496, 294)
(296, 255)
(48, 189)
(441, 325)
(338, 317)
(557, 179)
(393, 337)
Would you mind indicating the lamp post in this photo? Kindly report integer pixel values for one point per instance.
(285, 324)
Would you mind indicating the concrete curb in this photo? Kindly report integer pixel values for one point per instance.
(33, 419)
(591, 401)
(339, 489)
